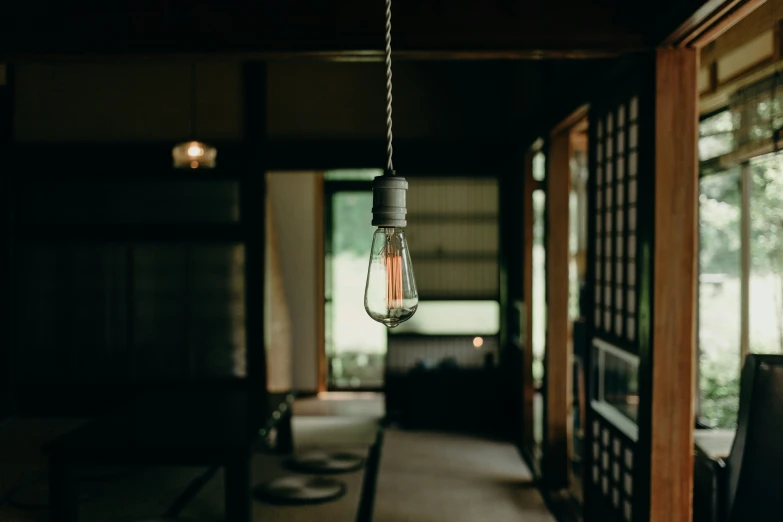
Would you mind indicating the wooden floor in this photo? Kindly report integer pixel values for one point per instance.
(434, 477)
(343, 404)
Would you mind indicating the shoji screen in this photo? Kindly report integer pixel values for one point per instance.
(128, 280)
(453, 237)
(613, 472)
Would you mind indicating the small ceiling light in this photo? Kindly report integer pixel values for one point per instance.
(478, 342)
(390, 296)
(193, 154)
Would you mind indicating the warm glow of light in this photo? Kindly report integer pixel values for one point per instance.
(393, 263)
(478, 342)
(193, 154)
(194, 150)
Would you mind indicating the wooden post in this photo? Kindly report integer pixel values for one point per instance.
(557, 374)
(674, 286)
(252, 202)
(7, 345)
(320, 291)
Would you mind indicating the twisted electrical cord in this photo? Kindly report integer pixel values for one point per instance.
(389, 148)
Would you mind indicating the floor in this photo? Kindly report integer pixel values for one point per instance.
(347, 404)
(434, 477)
(423, 477)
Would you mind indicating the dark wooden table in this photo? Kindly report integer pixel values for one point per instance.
(174, 428)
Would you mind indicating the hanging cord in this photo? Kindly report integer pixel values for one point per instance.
(193, 89)
(389, 148)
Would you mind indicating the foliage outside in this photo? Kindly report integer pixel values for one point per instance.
(720, 288)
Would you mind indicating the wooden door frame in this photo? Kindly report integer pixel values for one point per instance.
(674, 254)
(558, 376)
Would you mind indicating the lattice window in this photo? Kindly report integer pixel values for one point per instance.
(612, 469)
(616, 194)
(615, 140)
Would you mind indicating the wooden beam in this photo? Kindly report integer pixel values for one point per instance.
(253, 216)
(709, 21)
(757, 17)
(558, 373)
(353, 27)
(347, 56)
(578, 117)
(7, 244)
(686, 17)
(674, 284)
(721, 23)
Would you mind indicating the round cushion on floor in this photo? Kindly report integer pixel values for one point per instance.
(325, 462)
(297, 490)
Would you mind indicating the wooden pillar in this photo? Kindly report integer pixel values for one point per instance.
(557, 374)
(320, 278)
(674, 284)
(528, 390)
(252, 199)
(7, 255)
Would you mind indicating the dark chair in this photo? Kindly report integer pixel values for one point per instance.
(748, 484)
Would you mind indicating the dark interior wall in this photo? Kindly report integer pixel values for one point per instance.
(150, 101)
(432, 100)
(119, 310)
(125, 102)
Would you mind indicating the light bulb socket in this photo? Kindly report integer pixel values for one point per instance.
(388, 200)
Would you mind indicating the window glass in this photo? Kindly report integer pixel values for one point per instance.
(766, 249)
(716, 136)
(355, 344)
(352, 175)
(621, 384)
(539, 166)
(539, 285)
(719, 297)
(453, 318)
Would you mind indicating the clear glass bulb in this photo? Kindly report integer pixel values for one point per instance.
(390, 296)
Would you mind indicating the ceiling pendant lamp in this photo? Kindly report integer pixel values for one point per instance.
(193, 154)
(390, 296)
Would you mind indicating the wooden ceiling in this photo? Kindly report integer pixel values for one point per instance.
(345, 29)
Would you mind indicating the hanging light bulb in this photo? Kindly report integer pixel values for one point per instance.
(193, 154)
(390, 296)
